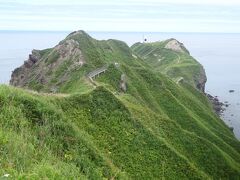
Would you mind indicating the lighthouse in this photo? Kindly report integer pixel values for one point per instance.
(144, 39)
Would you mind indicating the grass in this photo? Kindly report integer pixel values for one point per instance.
(173, 64)
(99, 135)
(157, 129)
(52, 57)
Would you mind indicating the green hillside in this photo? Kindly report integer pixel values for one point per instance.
(173, 60)
(154, 129)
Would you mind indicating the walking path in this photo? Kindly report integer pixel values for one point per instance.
(97, 72)
(179, 80)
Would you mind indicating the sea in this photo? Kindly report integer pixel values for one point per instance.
(219, 53)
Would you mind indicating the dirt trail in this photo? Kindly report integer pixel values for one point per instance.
(47, 94)
(179, 80)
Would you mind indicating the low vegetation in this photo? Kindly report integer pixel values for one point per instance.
(156, 129)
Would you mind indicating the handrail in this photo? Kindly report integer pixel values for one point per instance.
(97, 72)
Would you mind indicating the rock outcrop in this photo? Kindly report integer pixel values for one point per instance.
(201, 80)
(175, 45)
(123, 83)
(19, 74)
(218, 106)
(44, 67)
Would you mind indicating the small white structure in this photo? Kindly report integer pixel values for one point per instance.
(144, 39)
(117, 65)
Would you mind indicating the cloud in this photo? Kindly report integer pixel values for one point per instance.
(150, 15)
(123, 2)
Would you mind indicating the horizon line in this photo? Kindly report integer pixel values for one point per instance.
(100, 31)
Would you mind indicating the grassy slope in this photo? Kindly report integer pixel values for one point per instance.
(96, 54)
(172, 63)
(152, 131)
(156, 129)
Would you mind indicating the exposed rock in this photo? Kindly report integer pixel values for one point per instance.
(201, 80)
(66, 52)
(67, 48)
(35, 56)
(231, 128)
(32, 58)
(18, 75)
(231, 91)
(123, 83)
(175, 45)
(217, 105)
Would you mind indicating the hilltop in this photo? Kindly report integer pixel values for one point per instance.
(171, 57)
(63, 67)
(135, 120)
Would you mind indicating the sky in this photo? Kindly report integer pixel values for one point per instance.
(121, 15)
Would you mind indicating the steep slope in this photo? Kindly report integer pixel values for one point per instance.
(173, 59)
(130, 122)
(101, 135)
(62, 68)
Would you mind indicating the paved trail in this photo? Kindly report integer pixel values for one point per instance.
(97, 72)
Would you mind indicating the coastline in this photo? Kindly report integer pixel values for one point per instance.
(219, 108)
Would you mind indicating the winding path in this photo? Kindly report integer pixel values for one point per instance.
(178, 57)
(179, 80)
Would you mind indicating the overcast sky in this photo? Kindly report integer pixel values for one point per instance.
(121, 15)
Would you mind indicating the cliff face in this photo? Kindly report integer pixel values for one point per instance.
(201, 80)
(175, 45)
(49, 67)
(19, 74)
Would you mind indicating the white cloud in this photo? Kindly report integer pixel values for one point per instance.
(125, 2)
(124, 15)
(196, 2)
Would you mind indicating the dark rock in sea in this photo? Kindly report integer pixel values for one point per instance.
(217, 105)
(231, 128)
(216, 99)
(231, 91)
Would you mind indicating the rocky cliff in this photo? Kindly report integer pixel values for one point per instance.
(49, 67)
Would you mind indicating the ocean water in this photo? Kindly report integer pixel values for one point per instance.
(218, 53)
